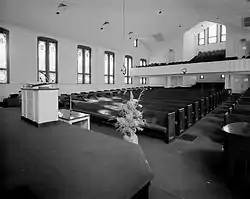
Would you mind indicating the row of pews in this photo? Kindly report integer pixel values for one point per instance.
(168, 111)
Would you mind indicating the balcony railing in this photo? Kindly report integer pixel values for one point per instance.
(229, 66)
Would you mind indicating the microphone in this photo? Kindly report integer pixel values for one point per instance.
(47, 78)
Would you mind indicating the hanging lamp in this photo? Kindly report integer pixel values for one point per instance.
(123, 69)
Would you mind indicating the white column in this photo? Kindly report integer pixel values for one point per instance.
(168, 81)
(228, 80)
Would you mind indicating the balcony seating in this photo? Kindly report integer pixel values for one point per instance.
(210, 56)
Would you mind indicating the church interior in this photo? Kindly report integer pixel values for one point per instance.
(123, 99)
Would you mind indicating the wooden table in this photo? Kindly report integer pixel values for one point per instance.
(75, 118)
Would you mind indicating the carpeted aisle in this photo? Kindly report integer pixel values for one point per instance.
(184, 169)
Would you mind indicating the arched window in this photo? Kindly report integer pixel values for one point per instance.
(4, 56)
(83, 65)
(223, 33)
(143, 62)
(128, 66)
(47, 60)
(109, 67)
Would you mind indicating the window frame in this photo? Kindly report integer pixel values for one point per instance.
(221, 35)
(109, 75)
(127, 69)
(47, 41)
(143, 61)
(209, 37)
(7, 33)
(199, 38)
(84, 74)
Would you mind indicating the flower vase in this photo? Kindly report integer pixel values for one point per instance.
(133, 138)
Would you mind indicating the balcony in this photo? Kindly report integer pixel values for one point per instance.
(228, 66)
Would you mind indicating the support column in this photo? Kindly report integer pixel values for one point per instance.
(168, 81)
(228, 79)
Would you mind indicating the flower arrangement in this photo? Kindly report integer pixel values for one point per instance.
(130, 118)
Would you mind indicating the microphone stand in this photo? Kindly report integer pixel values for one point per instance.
(70, 104)
(42, 84)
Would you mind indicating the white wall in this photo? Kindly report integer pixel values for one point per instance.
(189, 80)
(233, 44)
(162, 53)
(189, 45)
(237, 82)
(23, 62)
(157, 81)
(190, 42)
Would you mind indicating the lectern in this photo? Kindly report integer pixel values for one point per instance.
(40, 104)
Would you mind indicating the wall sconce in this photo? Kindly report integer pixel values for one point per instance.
(222, 76)
(201, 76)
(184, 70)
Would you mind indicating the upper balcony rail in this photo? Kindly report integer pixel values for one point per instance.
(225, 66)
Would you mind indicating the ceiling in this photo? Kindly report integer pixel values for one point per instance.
(82, 19)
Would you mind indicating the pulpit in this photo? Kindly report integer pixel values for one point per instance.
(40, 104)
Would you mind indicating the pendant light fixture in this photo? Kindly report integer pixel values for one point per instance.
(123, 69)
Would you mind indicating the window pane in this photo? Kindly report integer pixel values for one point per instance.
(212, 40)
(202, 35)
(42, 77)
(126, 66)
(42, 55)
(141, 80)
(129, 66)
(106, 79)
(3, 76)
(79, 78)
(111, 72)
(52, 77)
(3, 51)
(141, 63)
(86, 79)
(79, 61)
(130, 80)
(145, 63)
(212, 30)
(52, 57)
(111, 79)
(87, 61)
(106, 64)
(223, 30)
(201, 41)
(126, 80)
(223, 38)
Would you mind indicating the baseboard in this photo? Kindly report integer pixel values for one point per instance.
(39, 125)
